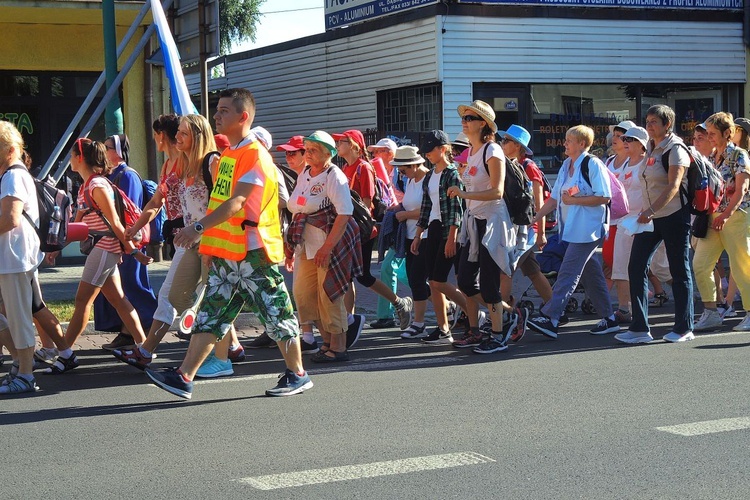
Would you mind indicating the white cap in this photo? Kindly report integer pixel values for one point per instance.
(384, 143)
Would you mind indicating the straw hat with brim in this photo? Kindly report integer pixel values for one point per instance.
(407, 155)
(520, 135)
(743, 123)
(638, 133)
(323, 138)
(461, 141)
(482, 109)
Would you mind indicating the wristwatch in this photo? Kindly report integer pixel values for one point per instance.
(198, 227)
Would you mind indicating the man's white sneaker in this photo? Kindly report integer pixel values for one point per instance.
(678, 337)
(744, 325)
(634, 337)
(710, 320)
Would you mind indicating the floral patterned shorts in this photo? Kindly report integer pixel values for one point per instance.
(253, 281)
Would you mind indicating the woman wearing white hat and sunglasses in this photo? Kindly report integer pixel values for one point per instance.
(486, 214)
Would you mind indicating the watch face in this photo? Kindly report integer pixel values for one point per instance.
(199, 227)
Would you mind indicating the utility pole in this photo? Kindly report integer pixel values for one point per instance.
(203, 27)
(113, 123)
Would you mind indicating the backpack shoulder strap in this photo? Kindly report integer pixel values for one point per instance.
(585, 169)
(208, 179)
(484, 157)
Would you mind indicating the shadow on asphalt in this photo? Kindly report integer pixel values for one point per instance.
(722, 346)
(7, 418)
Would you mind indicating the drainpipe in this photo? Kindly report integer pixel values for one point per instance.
(113, 123)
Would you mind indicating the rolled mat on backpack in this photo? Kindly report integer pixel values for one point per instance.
(77, 231)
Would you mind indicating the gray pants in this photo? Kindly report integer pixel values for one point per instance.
(579, 265)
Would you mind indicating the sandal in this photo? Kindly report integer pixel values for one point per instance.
(337, 357)
(325, 346)
(62, 365)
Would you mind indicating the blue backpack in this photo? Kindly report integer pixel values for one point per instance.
(552, 254)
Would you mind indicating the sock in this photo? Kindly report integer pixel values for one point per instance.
(350, 318)
(184, 378)
(144, 352)
(66, 353)
(474, 329)
(29, 377)
(611, 317)
(235, 347)
(308, 337)
(418, 324)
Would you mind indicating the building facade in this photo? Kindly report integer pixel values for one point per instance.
(545, 67)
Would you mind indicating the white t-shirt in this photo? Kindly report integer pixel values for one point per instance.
(313, 193)
(433, 189)
(628, 176)
(413, 201)
(476, 178)
(19, 247)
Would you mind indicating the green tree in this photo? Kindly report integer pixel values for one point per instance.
(237, 22)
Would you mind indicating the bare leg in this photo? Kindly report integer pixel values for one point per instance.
(155, 335)
(84, 299)
(623, 294)
(112, 290)
(438, 304)
(420, 307)
(200, 347)
(731, 290)
(49, 328)
(384, 291)
(292, 354)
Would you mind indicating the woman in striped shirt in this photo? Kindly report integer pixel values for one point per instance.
(100, 272)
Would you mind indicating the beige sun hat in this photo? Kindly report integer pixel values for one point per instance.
(481, 108)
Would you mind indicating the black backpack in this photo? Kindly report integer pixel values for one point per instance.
(517, 193)
(48, 196)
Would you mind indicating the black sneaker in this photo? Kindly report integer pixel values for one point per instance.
(383, 323)
(543, 325)
(354, 330)
(261, 341)
(309, 347)
(605, 326)
(438, 337)
(509, 326)
(171, 381)
(492, 344)
(564, 320)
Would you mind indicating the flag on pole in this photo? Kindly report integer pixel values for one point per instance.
(177, 87)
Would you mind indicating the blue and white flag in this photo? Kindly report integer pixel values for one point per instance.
(177, 87)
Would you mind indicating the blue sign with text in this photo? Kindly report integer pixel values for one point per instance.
(340, 13)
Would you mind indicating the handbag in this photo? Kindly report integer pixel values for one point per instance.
(699, 228)
(87, 245)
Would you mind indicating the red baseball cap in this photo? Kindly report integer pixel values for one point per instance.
(295, 144)
(354, 135)
(222, 141)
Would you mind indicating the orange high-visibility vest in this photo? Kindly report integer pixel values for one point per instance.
(228, 240)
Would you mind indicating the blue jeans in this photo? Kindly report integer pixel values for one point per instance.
(392, 270)
(674, 230)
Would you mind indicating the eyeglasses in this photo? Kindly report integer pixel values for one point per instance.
(471, 118)
(628, 139)
(505, 140)
(292, 153)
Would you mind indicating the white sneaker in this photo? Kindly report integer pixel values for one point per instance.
(482, 319)
(676, 337)
(744, 325)
(709, 320)
(726, 312)
(634, 337)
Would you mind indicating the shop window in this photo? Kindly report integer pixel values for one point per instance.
(410, 109)
(58, 88)
(19, 86)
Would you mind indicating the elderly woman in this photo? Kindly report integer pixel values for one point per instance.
(662, 204)
(19, 257)
(323, 246)
(729, 227)
(580, 195)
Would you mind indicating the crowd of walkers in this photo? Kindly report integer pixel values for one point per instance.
(446, 227)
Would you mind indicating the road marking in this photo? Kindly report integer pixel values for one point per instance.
(708, 427)
(375, 469)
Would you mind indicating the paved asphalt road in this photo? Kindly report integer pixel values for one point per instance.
(579, 417)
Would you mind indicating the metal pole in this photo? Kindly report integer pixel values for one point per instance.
(92, 94)
(203, 29)
(108, 95)
(113, 118)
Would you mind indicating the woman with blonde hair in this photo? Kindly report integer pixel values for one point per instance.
(19, 257)
(194, 141)
(729, 227)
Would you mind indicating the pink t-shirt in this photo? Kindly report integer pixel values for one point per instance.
(93, 220)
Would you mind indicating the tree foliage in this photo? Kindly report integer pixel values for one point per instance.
(237, 22)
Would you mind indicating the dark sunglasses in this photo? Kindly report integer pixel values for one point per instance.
(628, 139)
(292, 153)
(505, 140)
(471, 118)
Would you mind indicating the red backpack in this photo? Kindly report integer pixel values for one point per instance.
(705, 185)
(128, 212)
